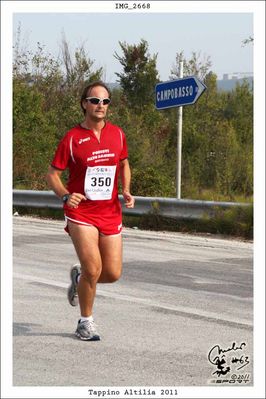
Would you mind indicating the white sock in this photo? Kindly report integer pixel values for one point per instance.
(90, 318)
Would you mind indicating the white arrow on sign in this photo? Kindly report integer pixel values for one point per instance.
(179, 92)
(199, 89)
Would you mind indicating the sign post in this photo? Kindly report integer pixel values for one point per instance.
(177, 93)
(179, 142)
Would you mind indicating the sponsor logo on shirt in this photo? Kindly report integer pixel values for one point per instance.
(101, 156)
(82, 140)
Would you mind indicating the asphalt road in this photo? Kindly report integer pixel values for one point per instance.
(180, 296)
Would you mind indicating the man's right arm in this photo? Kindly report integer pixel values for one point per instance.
(53, 179)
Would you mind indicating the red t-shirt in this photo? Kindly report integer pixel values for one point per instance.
(93, 165)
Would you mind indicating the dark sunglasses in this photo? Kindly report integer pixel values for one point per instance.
(96, 100)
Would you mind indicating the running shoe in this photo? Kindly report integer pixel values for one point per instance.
(86, 331)
(72, 293)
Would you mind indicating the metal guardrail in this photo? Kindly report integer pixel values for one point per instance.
(168, 207)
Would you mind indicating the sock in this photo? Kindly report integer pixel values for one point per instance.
(78, 278)
(90, 318)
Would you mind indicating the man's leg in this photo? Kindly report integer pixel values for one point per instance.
(111, 255)
(86, 243)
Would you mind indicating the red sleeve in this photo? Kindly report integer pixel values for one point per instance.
(124, 151)
(62, 154)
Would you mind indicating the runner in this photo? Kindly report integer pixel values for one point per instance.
(95, 153)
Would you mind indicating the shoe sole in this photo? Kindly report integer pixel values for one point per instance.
(72, 298)
(94, 338)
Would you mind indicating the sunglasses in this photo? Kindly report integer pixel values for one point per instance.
(96, 100)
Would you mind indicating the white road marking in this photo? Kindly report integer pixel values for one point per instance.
(144, 301)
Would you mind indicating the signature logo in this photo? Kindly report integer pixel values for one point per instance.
(229, 360)
(82, 140)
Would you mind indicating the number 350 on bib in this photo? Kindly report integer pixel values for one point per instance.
(99, 182)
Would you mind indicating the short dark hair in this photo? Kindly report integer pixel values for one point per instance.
(88, 88)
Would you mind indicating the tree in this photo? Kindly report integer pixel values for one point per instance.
(217, 154)
(78, 69)
(34, 136)
(45, 106)
(139, 75)
(249, 40)
(195, 66)
(238, 110)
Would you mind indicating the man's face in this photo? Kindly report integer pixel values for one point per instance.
(96, 112)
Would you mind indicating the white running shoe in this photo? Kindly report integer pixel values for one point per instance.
(86, 331)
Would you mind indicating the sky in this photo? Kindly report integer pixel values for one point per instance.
(217, 35)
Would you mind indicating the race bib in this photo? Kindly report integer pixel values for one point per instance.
(99, 182)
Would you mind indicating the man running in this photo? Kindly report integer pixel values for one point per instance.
(95, 153)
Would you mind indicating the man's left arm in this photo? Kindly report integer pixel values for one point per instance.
(125, 174)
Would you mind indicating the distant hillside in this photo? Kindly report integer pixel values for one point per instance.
(222, 85)
(230, 84)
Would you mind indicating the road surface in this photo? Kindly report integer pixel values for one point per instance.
(181, 301)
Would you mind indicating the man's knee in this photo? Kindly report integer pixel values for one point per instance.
(110, 276)
(90, 274)
(114, 275)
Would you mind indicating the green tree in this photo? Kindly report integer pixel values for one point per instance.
(139, 75)
(217, 157)
(78, 68)
(239, 111)
(197, 65)
(34, 137)
(45, 106)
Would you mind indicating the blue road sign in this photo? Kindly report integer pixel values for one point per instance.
(179, 92)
